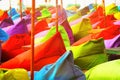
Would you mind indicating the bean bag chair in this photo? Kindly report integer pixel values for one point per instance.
(13, 46)
(44, 14)
(91, 7)
(109, 32)
(73, 17)
(13, 13)
(6, 22)
(52, 31)
(19, 28)
(96, 15)
(117, 15)
(4, 16)
(84, 10)
(62, 20)
(89, 54)
(70, 13)
(13, 74)
(111, 9)
(113, 43)
(62, 69)
(81, 29)
(105, 22)
(113, 53)
(1, 12)
(105, 71)
(3, 35)
(39, 26)
(44, 54)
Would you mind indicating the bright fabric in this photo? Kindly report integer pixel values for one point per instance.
(106, 71)
(113, 53)
(81, 29)
(117, 15)
(13, 46)
(62, 69)
(13, 13)
(3, 35)
(13, 74)
(62, 32)
(109, 32)
(96, 15)
(45, 53)
(89, 53)
(39, 26)
(19, 28)
(6, 22)
(4, 16)
(44, 14)
(73, 17)
(112, 43)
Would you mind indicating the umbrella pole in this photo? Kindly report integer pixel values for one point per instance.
(61, 5)
(21, 9)
(95, 4)
(103, 2)
(32, 39)
(56, 15)
(10, 7)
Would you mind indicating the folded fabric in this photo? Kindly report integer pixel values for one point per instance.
(112, 43)
(117, 15)
(89, 53)
(39, 26)
(105, 71)
(44, 14)
(62, 69)
(81, 29)
(73, 17)
(6, 22)
(19, 28)
(111, 9)
(13, 13)
(3, 35)
(62, 32)
(96, 15)
(62, 20)
(87, 62)
(113, 53)
(13, 74)
(44, 54)
(109, 32)
(13, 46)
(94, 46)
(4, 16)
